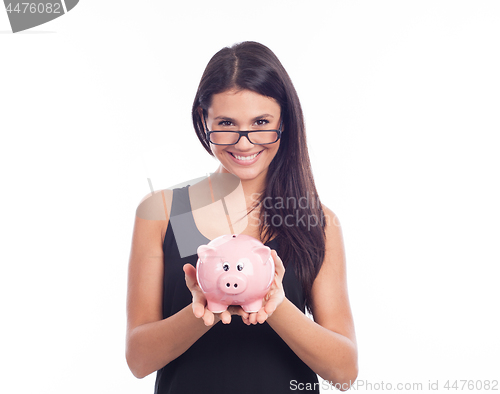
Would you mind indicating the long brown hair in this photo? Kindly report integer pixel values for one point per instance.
(252, 66)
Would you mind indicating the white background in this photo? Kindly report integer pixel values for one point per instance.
(401, 101)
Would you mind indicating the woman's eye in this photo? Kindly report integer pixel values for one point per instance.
(225, 123)
(262, 122)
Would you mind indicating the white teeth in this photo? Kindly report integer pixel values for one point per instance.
(246, 157)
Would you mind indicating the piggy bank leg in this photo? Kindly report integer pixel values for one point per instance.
(252, 306)
(216, 307)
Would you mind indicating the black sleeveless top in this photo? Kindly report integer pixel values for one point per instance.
(233, 358)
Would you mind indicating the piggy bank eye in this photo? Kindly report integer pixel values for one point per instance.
(225, 266)
(240, 266)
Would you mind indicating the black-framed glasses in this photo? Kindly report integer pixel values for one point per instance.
(256, 137)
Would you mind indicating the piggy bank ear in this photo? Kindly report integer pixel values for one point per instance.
(205, 252)
(263, 251)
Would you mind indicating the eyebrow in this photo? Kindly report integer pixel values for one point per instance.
(254, 119)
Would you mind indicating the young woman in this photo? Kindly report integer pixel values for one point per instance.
(246, 114)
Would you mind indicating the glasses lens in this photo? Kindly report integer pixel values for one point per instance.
(263, 137)
(256, 137)
(224, 137)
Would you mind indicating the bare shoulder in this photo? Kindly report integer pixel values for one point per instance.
(333, 230)
(330, 300)
(155, 207)
(144, 299)
(334, 261)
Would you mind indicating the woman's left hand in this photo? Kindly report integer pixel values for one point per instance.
(274, 296)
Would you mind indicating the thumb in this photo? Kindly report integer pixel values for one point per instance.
(278, 264)
(190, 274)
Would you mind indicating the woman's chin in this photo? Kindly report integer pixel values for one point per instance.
(244, 174)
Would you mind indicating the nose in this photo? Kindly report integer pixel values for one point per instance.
(244, 144)
(233, 284)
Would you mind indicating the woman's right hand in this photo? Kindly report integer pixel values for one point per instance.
(200, 309)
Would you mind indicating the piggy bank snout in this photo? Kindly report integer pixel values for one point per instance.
(233, 283)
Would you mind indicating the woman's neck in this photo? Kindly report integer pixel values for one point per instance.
(251, 187)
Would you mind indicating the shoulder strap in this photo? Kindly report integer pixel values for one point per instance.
(180, 201)
(187, 235)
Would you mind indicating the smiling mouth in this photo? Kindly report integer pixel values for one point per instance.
(250, 157)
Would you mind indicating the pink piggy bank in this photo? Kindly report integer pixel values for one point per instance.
(234, 270)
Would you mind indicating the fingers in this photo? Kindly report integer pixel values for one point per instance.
(235, 310)
(278, 264)
(225, 317)
(198, 309)
(272, 299)
(208, 318)
(271, 306)
(199, 300)
(245, 320)
(256, 317)
(261, 315)
(190, 276)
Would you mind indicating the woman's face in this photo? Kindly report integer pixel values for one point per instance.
(244, 110)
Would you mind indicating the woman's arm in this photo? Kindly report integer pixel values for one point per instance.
(328, 344)
(151, 341)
